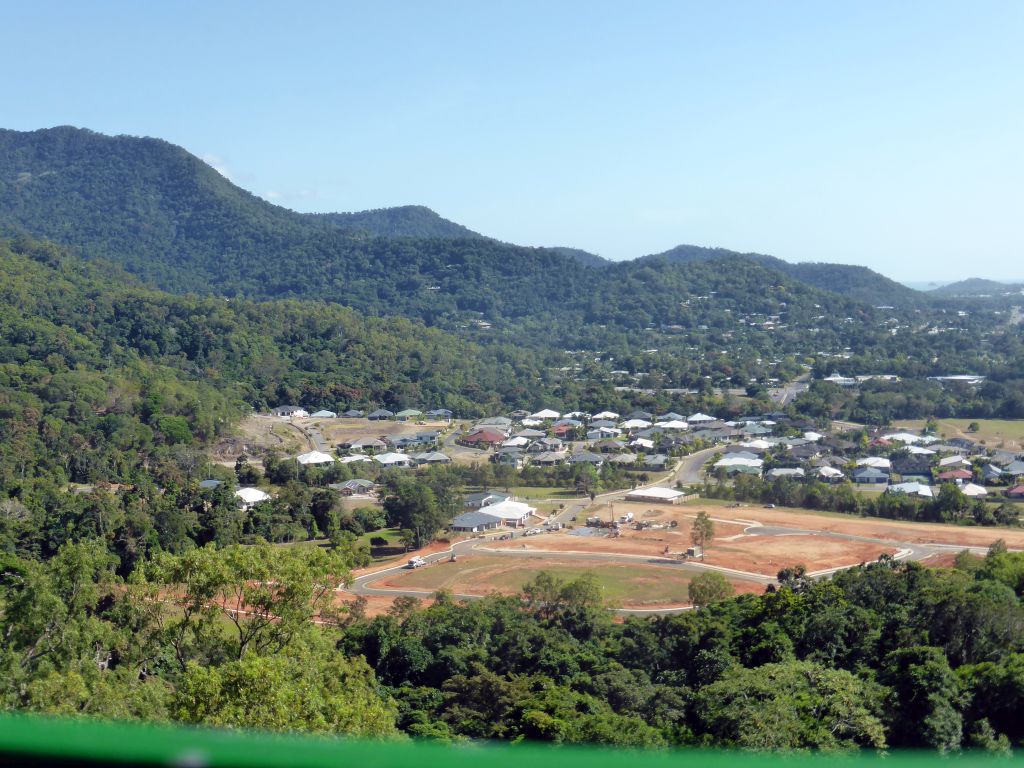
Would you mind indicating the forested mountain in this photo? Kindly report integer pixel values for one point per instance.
(98, 373)
(402, 221)
(175, 222)
(858, 283)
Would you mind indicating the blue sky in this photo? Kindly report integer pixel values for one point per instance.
(877, 133)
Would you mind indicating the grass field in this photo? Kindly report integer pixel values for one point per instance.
(995, 433)
(622, 584)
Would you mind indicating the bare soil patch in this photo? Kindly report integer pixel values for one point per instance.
(769, 554)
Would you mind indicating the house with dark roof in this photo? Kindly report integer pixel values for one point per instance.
(587, 457)
(656, 463)
(381, 414)
(510, 457)
(353, 413)
(913, 468)
(475, 522)
(871, 475)
(355, 487)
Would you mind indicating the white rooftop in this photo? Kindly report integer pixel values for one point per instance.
(547, 413)
(251, 495)
(315, 457)
(658, 493)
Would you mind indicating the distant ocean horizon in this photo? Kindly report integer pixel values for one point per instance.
(926, 285)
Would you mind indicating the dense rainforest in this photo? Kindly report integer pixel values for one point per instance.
(884, 655)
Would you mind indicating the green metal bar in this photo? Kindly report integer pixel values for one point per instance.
(94, 742)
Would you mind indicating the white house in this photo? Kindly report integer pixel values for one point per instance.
(700, 418)
(314, 457)
(545, 415)
(513, 513)
(392, 459)
(656, 495)
(878, 462)
(251, 496)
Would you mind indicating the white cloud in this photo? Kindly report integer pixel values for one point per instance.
(217, 163)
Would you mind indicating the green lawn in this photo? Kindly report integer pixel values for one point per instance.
(622, 584)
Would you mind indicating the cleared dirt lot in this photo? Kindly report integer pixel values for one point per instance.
(257, 434)
(626, 585)
(769, 554)
(337, 431)
(894, 530)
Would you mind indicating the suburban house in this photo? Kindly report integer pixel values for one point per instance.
(777, 473)
(407, 414)
(956, 476)
(440, 413)
(656, 463)
(913, 468)
(496, 422)
(381, 414)
(655, 495)
(209, 485)
(251, 496)
(314, 457)
(398, 460)
(483, 437)
(1017, 492)
(549, 459)
(323, 415)
(587, 457)
(510, 457)
(990, 473)
(354, 487)
(512, 513)
(431, 458)
(871, 475)
(475, 522)
(353, 413)
(288, 411)
(911, 489)
(830, 474)
(484, 499)
(545, 415)
(368, 444)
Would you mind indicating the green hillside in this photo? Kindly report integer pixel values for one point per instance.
(858, 283)
(403, 221)
(976, 286)
(175, 222)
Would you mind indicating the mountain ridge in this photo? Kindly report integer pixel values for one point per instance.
(174, 221)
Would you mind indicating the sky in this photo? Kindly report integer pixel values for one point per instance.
(877, 133)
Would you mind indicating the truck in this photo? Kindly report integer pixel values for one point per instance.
(416, 562)
(626, 518)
